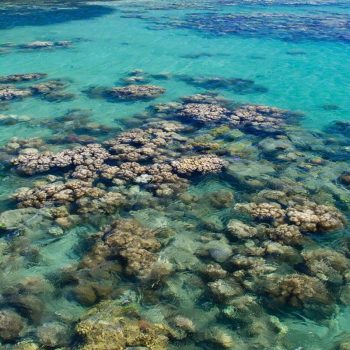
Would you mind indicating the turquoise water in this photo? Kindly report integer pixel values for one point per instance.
(293, 55)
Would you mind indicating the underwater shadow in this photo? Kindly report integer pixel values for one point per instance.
(34, 16)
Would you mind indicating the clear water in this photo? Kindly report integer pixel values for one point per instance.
(302, 62)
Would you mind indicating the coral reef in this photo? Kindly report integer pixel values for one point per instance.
(53, 334)
(238, 85)
(133, 92)
(308, 217)
(10, 92)
(247, 116)
(345, 179)
(225, 290)
(214, 272)
(286, 234)
(198, 164)
(279, 26)
(260, 117)
(58, 193)
(134, 243)
(240, 230)
(86, 159)
(120, 161)
(296, 290)
(264, 211)
(82, 194)
(51, 90)
(37, 45)
(15, 78)
(315, 218)
(109, 325)
(124, 248)
(184, 324)
(211, 110)
(328, 265)
(203, 112)
(152, 209)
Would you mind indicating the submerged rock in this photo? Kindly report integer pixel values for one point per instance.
(23, 219)
(26, 345)
(11, 325)
(224, 290)
(53, 334)
(185, 324)
(85, 294)
(30, 306)
(214, 272)
(240, 230)
(345, 179)
(221, 338)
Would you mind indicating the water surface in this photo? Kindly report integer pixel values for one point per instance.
(58, 273)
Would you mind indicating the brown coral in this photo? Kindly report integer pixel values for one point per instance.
(15, 78)
(263, 211)
(313, 217)
(135, 92)
(90, 157)
(110, 326)
(240, 230)
(259, 116)
(134, 243)
(56, 193)
(11, 324)
(287, 234)
(10, 92)
(326, 264)
(199, 164)
(214, 272)
(296, 290)
(203, 112)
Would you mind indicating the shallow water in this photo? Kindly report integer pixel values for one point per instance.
(55, 270)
